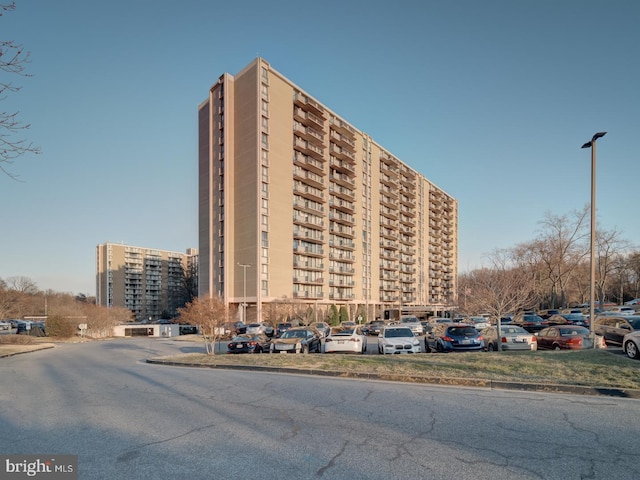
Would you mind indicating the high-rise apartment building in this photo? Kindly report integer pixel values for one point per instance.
(296, 203)
(151, 283)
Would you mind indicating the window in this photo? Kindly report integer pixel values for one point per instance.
(265, 106)
(265, 239)
(265, 140)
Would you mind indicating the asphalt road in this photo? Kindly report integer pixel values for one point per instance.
(126, 419)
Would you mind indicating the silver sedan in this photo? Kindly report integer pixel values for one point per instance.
(512, 337)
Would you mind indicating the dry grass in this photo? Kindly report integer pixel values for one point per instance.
(594, 368)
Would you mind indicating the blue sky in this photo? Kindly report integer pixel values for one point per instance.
(489, 100)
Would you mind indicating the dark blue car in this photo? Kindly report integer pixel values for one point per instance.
(454, 338)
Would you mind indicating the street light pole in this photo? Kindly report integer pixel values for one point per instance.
(592, 248)
(244, 267)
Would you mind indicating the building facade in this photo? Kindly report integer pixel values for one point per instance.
(296, 203)
(151, 283)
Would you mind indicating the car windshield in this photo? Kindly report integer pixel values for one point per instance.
(343, 332)
(462, 331)
(294, 334)
(513, 330)
(242, 338)
(634, 322)
(398, 332)
(573, 331)
(533, 319)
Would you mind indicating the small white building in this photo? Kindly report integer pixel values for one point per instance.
(146, 330)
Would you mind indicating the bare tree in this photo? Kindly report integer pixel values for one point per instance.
(13, 58)
(610, 248)
(561, 249)
(210, 315)
(499, 290)
(22, 285)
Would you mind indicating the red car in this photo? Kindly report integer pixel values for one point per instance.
(561, 337)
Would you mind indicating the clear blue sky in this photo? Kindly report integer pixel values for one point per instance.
(489, 100)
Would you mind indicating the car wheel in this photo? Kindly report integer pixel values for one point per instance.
(631, 349)
(490, 347)
(305, 349)
(439, 347)
(556, 347)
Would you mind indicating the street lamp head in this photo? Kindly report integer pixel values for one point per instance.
(598, 135)
(595, 137)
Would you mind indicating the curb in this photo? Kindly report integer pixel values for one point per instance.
(13, 354)
(459, 382)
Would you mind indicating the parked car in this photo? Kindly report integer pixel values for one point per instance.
(283, 327)
(231, 329)
(478, 322)
(545, 314)
(568, 319)
(620, 310)
(570, 337)
(261, 327)
(413, 323)
(530, 322)
(35, 329)
(5, 325)
(322, 327)
(445, 320)
(631, 345)
(249, 343)
(373, 327)
(396, 339)
(298, 340)
(635, 301)
(454, 338)
(186, 329)
(614, 328)
(351, 340)
(512, 337)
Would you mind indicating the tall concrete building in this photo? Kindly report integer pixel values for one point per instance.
(296, 203)
(149, 282)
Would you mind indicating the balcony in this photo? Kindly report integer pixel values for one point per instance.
(309, 134)
(342, 140)
(343, 205)
(342, 153)
(342, 217)
(341, 126)
(342, 179)
(308, 148)
(308, 118)
(308, 104)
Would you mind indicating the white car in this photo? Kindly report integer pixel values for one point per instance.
(350, 340)
(398, 339)
(478, 322)
(256, 328)
(5, 325)
(413, 323)
(631, 345)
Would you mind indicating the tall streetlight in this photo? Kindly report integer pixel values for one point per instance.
(244, 267)
(592, 253)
